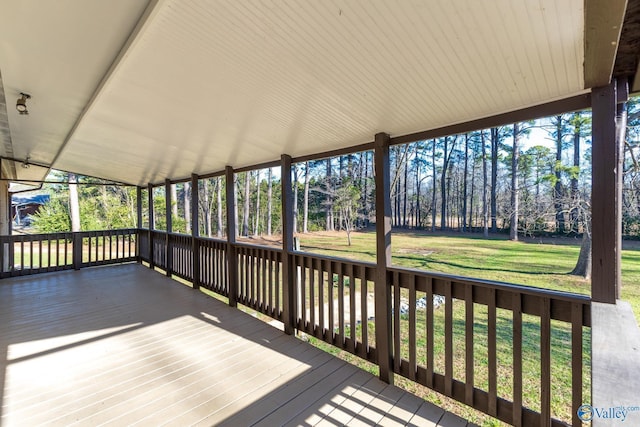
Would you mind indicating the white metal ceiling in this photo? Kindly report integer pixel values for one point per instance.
(208, 83)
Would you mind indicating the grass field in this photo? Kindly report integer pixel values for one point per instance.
(535, 263)
(541, 263)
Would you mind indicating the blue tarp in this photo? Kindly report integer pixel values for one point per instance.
(36, 199)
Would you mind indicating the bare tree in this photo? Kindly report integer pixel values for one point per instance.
(485, 207)
(269, 200)
(515, 154)
(74, 203)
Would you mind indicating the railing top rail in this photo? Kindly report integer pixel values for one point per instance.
(357, 263)
(505, 286)
(256, 246)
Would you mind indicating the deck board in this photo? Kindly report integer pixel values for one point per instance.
(124, 345)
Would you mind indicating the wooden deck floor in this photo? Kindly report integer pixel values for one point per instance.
(124, 345)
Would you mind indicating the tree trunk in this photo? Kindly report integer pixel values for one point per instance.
(558, 193)
(219, 202)
(365, 195)
(577, 123)
(464, 182)
(74, 203)
(256, 228)
(433, 190)
(443, 187)
(187, 212)
(583, 266)
(235, 203)
(473, 188)
(494, 179)
(329, 199)
(485, 207)
(174, 200)
(295, 199)
(305, 207)
(205, 206)
(405, 192)
(513, 232)
(247, 204)
(269, 201)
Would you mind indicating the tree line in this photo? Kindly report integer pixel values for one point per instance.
(487, 181)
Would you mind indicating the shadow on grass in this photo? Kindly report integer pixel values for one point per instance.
(426, 263)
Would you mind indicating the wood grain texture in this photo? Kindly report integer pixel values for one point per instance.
(124, 345)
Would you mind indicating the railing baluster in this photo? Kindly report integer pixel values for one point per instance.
(396, 321)
(263, 267)
(22, 254)
(340, 334)
(448, 339)
(545, 363)
(331, 295)
(491, 353)
(413, 364)
(321, 303)
(301, 277)
(312, 295)
(364, 314)
(429, 326)
(270, 264)
(278, 289)
(468, 344)
(576, 361)
(352, 310)
(517, 360)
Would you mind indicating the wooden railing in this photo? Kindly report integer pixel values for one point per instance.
(106, 246)
(472, 348)
(213, 270)
(503, 349)
(335, 302)
(260, 279)
(40, 253)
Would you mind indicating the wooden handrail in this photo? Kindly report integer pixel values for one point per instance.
(333, 301)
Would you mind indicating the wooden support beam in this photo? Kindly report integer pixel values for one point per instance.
(152, 225)
(603, 25)
(605, 217)
(169, 219)
(138, 221)
(195, 230)
(139, 207)
(232, 259)
(288, 276)
(383, 257)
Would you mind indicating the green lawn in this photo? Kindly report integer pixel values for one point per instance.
(531, 263)
(527, 263)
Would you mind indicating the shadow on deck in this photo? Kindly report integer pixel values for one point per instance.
(124, 345)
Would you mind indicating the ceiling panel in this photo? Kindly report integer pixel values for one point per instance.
(58, 52)
(210, 83)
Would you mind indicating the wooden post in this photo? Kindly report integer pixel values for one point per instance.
(77, 250)
(138, 221)
(169, 217)
(383, 258)
(151, 225)
(622, 96)
(605, 218)
(232, 259)
(139, 207)
(288, 278)
(195, 231)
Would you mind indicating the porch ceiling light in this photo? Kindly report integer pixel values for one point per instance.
(21, 103)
